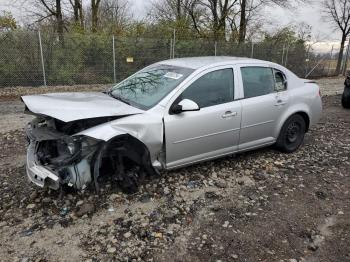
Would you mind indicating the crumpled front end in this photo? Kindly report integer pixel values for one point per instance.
(55, 158)
(78, 138)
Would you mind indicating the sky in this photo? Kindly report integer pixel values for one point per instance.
(311, 14)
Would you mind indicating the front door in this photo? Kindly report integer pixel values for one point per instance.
(210, 132)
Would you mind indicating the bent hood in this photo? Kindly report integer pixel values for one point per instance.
(76, 106)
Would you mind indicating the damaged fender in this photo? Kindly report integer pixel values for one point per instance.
(137, 137)
(147, 128)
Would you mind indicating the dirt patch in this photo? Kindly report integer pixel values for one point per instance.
(331, 86)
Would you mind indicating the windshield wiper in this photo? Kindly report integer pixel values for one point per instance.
(118, 98)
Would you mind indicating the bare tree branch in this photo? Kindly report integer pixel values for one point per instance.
(338, 12)
(48, 8)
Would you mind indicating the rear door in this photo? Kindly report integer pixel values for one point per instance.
(214, 129)
(264, 101)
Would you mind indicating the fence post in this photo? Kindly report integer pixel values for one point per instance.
(174, 43)
(286, 60)
(252, 52)
(307, 59)
(114, 63)
(42, 58)
(330, 60)
(215, 47)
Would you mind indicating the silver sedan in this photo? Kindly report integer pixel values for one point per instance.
(170, 114)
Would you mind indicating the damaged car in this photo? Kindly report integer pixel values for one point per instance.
(170, 114)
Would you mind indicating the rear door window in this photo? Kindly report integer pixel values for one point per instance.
(257, 81)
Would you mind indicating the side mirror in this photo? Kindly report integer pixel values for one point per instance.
(184, 106)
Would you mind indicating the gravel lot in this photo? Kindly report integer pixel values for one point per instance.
(257, 206)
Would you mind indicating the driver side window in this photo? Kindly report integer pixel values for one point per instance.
(212, 89)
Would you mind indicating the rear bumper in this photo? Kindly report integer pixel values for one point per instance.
(38, 174)
(316, 111)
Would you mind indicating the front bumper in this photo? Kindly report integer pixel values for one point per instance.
(38, 174)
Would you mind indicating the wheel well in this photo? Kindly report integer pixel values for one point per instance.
(306, 118)
(113, 154)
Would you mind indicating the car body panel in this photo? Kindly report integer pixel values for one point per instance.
(75, 106)
(305, 99)
(259, 114)
(146, 127)
(192, 136)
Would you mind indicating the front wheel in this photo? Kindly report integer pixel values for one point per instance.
(292, 134)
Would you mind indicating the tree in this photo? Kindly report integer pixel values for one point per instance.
(115, 16)
(170, 10)
(171, 14)
(243, 22)
(216, 18)
(219, 10)
(78, 12)
(95, 5)
(209, 17)
(53, 8)
(7, 22)
(249, 8)
(338, 12)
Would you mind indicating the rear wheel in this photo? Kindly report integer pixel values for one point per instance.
(292, 134)
(345, 101)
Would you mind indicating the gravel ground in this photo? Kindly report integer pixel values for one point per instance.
(257, 206)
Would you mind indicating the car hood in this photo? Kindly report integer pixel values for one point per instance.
(76, 106)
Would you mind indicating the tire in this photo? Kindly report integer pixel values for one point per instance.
(131, 181)
(345, 102)
(292, 134)
(345, 99)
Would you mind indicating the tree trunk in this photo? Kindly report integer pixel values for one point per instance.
(94, 14)
(346, 59)
(214, 11)
(60, 23)
(178, 10)
(243, 22)
(76, 11)
(341, 53)
(81, 14)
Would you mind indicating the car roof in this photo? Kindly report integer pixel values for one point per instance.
(198, 62)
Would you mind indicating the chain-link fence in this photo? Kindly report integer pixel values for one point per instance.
(29, 58)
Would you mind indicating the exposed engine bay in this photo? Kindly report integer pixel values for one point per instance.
(56, 156)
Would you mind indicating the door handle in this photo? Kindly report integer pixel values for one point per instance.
(229, 114)
(280, 102)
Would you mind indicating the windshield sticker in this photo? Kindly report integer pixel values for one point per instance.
(173, 75)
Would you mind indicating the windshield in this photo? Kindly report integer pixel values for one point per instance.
(150, 85)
